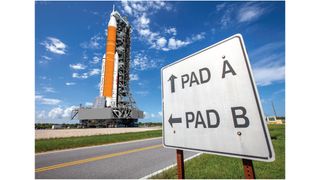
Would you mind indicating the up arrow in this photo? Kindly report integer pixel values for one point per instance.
(172, 78)
(174, 120)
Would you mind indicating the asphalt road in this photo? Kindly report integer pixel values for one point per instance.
(122, 160)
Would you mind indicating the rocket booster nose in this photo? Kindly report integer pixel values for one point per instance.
(116, 56)
(112, 22)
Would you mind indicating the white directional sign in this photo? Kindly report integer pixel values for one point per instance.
(211, 104)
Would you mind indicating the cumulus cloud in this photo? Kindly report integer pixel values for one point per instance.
(95, 42)
(46, 101)
(70, 83)
(77, 66)
(60, 113)
(54, 45)
(80, 76)
(95, 60)
(85, 75)
(142, 62)
(171, 30)
(165, 40)
(88, 104)
(93, 72)
(134, 77)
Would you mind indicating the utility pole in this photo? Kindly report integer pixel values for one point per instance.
(274, 111)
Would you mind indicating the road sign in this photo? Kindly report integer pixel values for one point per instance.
(211, 104)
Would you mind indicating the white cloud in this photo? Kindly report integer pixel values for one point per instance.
(80, 76)
(172, 31)
(85, 75)
(142, 62)
(134, 77)
(95, 60)
(95, 42)
(265, 76)
(43, 77)
(88, 104)
(41, 115)
(46, 58)
(268, 66)
(78, 66)
(54, 45)
(143, 21)
(49, 89)
(161, 42)
(226, 18)
(157, 115)
(70, 83)
(221, 6)
(60, 113)
(175, 44)
(126, 7)
(249, 12)
(142, 93)
(141, 10)
(55, 113)
(93, 72)
(198, 37)
(244, 12)
(47, 101)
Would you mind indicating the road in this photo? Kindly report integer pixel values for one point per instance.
(127, 160)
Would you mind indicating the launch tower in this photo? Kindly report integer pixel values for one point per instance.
(115, 106)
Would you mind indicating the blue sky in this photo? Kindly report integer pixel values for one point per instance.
(70, 42)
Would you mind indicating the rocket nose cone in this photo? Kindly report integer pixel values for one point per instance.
(112, 21)
(116, 56)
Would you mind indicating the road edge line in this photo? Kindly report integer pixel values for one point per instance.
(87, 147)
(168, 167)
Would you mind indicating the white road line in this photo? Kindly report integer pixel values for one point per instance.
(88, 147)
(168, 167)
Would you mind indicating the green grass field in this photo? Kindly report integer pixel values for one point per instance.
(43, 145)
(218, 167)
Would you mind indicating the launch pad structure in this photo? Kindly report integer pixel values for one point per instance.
(115, 106)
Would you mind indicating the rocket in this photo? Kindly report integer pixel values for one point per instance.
(110, 65)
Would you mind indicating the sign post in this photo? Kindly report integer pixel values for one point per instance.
(180, 164)
(248, 169)
(211, 104)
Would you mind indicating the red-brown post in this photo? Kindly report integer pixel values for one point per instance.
(180, 164)
(248, 169)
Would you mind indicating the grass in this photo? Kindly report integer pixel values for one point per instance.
(43, 145)
(218, 167)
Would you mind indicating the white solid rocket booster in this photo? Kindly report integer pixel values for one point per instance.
(115, 81)
(102, 75)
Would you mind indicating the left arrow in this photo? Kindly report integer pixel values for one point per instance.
(174, 120)
(172, 78)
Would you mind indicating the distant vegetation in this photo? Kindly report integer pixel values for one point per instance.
(73, 126)
(43, 145)
(150, 124)
(207, 166)
(49, 126)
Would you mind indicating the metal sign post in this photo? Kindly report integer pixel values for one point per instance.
(180, 164)
(248, 169)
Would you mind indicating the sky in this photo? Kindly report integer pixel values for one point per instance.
(70, 41)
